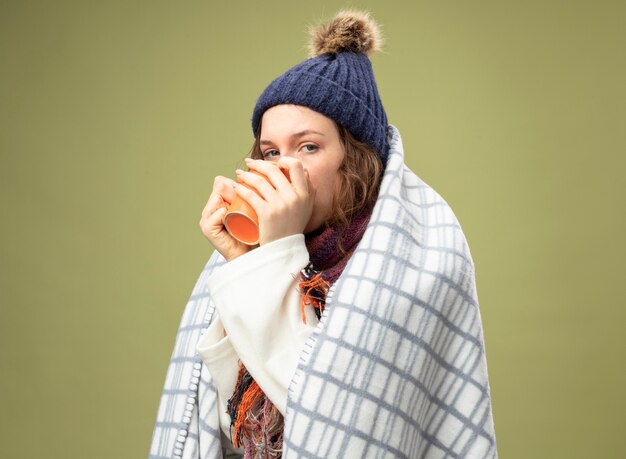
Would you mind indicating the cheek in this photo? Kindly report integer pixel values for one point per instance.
(325, 185)
(320, 181)
(323, 176)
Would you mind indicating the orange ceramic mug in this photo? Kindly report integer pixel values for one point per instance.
(241, 221)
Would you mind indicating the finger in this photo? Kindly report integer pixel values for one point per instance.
(260, 184)
(213, 225)
(215, 202)
(296, 173)
(310, 187)
(257, 203)
(215, 220)
(225, 187)
(270, 169)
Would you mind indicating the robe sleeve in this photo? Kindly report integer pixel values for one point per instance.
(259, 318)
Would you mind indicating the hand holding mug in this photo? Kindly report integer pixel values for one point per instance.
(281, 197)
(241, 220)
(211, 220)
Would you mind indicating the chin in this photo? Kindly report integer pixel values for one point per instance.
(312, 226)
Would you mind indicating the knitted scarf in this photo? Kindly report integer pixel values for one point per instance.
(256, 423)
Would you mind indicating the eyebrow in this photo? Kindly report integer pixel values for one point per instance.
(295, 136)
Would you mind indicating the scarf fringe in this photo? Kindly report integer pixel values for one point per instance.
(256, 423)
(314, 290)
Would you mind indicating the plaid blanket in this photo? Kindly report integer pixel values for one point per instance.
(396, 367)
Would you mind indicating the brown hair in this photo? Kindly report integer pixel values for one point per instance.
(359, 175)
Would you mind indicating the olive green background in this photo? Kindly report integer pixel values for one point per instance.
(116, 116)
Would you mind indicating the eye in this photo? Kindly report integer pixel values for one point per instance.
(310, 148)
(269, 154)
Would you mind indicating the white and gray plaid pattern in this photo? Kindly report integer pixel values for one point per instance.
(396, 367)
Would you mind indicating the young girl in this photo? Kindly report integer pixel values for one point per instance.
(352, 329)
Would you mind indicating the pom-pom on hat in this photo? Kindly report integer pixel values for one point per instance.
(337, 80)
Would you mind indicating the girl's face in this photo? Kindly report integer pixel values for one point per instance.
(296, 131)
